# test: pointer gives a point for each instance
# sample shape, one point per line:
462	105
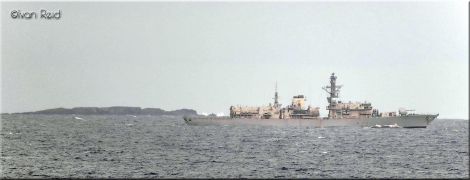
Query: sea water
76	146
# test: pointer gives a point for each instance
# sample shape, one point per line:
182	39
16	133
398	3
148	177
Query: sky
208	56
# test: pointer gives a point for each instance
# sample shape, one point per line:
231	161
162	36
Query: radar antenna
333	89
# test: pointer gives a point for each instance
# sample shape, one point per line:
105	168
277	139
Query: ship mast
333	91
276	97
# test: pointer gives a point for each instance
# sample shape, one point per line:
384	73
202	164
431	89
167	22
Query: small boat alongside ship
296	114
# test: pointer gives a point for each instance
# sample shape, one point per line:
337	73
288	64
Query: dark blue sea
62	146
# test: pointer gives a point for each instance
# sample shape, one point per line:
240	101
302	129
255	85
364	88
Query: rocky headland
115	110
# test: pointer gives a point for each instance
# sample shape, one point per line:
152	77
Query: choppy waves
49	146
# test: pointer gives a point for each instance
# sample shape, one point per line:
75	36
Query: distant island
114	110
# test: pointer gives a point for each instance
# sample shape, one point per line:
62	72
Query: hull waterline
409	121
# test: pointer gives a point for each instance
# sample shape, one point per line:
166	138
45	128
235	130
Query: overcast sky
208	56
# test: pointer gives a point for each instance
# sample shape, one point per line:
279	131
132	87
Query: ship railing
422	113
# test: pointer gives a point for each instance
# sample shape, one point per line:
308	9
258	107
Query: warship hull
408	121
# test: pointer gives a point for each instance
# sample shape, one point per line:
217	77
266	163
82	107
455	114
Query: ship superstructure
275	111
337	109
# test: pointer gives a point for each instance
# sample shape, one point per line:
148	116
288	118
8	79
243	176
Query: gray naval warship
339	114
